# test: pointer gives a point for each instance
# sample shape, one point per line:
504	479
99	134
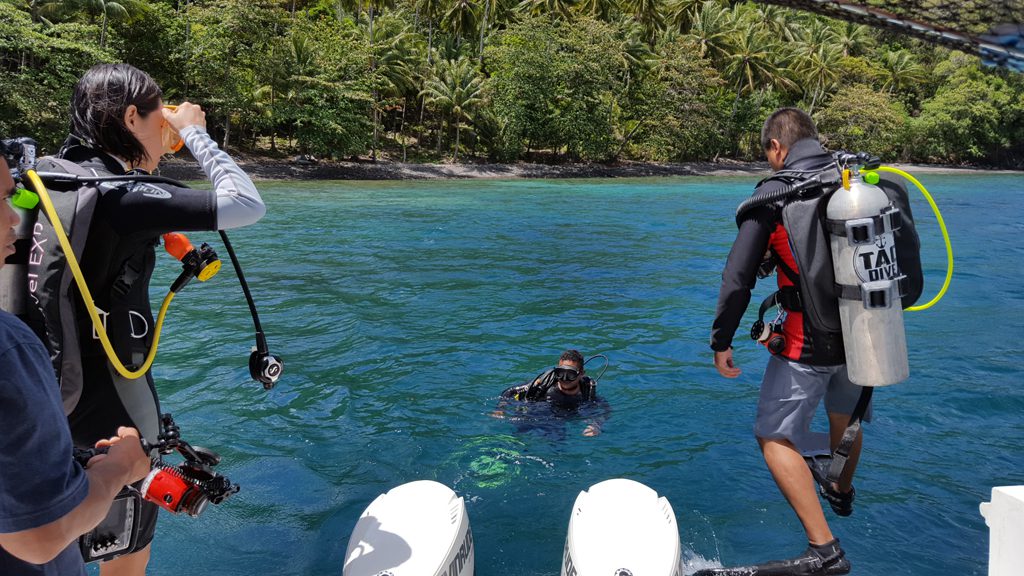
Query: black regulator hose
65	178
263	366
828	177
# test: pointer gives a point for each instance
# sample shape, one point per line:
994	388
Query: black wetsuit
543	388
117	263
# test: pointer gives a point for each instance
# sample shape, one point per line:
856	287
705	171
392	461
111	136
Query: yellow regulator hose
97	323
945	237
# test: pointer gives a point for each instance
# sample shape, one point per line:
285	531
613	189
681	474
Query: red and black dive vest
794	233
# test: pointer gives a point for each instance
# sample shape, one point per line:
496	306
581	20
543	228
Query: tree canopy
509	80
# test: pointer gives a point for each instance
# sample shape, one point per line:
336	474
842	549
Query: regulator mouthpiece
201	263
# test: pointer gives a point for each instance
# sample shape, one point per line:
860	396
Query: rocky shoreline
285	169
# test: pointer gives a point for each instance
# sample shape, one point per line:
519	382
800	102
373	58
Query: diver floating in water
564	390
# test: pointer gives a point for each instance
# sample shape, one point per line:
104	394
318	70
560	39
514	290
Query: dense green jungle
514	80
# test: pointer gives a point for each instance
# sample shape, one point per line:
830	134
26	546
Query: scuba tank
13	286
862	222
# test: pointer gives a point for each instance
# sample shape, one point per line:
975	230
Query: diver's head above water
569	372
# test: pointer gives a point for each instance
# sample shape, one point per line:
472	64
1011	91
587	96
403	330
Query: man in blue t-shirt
46	499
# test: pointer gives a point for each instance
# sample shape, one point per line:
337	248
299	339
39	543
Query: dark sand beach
287	169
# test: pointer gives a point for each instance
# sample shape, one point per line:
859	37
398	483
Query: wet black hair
99	102
788	126
572	356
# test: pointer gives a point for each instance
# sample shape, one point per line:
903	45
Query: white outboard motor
417	529
621	528
861	222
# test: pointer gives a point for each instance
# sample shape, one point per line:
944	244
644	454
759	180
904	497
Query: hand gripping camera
188	488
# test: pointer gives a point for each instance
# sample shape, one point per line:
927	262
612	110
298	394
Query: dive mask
566	374
172	141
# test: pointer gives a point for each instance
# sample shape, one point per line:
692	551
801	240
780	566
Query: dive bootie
824	560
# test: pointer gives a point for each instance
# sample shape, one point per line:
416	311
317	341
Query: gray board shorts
790	394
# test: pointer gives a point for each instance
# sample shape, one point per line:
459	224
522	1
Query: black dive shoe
825	560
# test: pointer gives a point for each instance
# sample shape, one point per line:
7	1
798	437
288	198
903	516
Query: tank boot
818	560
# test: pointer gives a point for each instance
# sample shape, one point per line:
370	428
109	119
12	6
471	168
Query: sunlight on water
402	309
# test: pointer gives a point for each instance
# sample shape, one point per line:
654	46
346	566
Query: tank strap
588	388
864	230
793	276
874	295
842	452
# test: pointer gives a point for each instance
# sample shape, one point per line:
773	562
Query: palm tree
397	56
752	62
44	10
648	14
106	9
560	8
373	7
103	9
853	38
460	18
430	9
901	71
782	23
455	88
494	11
287	74
818	71
815	32
679	13
710	29
634	54
600	9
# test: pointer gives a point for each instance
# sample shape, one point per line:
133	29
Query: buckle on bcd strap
860	231
879	294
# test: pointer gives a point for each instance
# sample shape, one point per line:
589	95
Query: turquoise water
403	309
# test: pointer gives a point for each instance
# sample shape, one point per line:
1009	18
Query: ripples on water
402	309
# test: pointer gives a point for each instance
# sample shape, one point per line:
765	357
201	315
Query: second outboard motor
621	527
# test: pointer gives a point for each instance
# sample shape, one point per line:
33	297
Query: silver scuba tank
861	222
14	273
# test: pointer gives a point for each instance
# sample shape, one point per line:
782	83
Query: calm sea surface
403	309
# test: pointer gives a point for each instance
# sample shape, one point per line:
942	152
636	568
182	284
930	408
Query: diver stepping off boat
847	254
